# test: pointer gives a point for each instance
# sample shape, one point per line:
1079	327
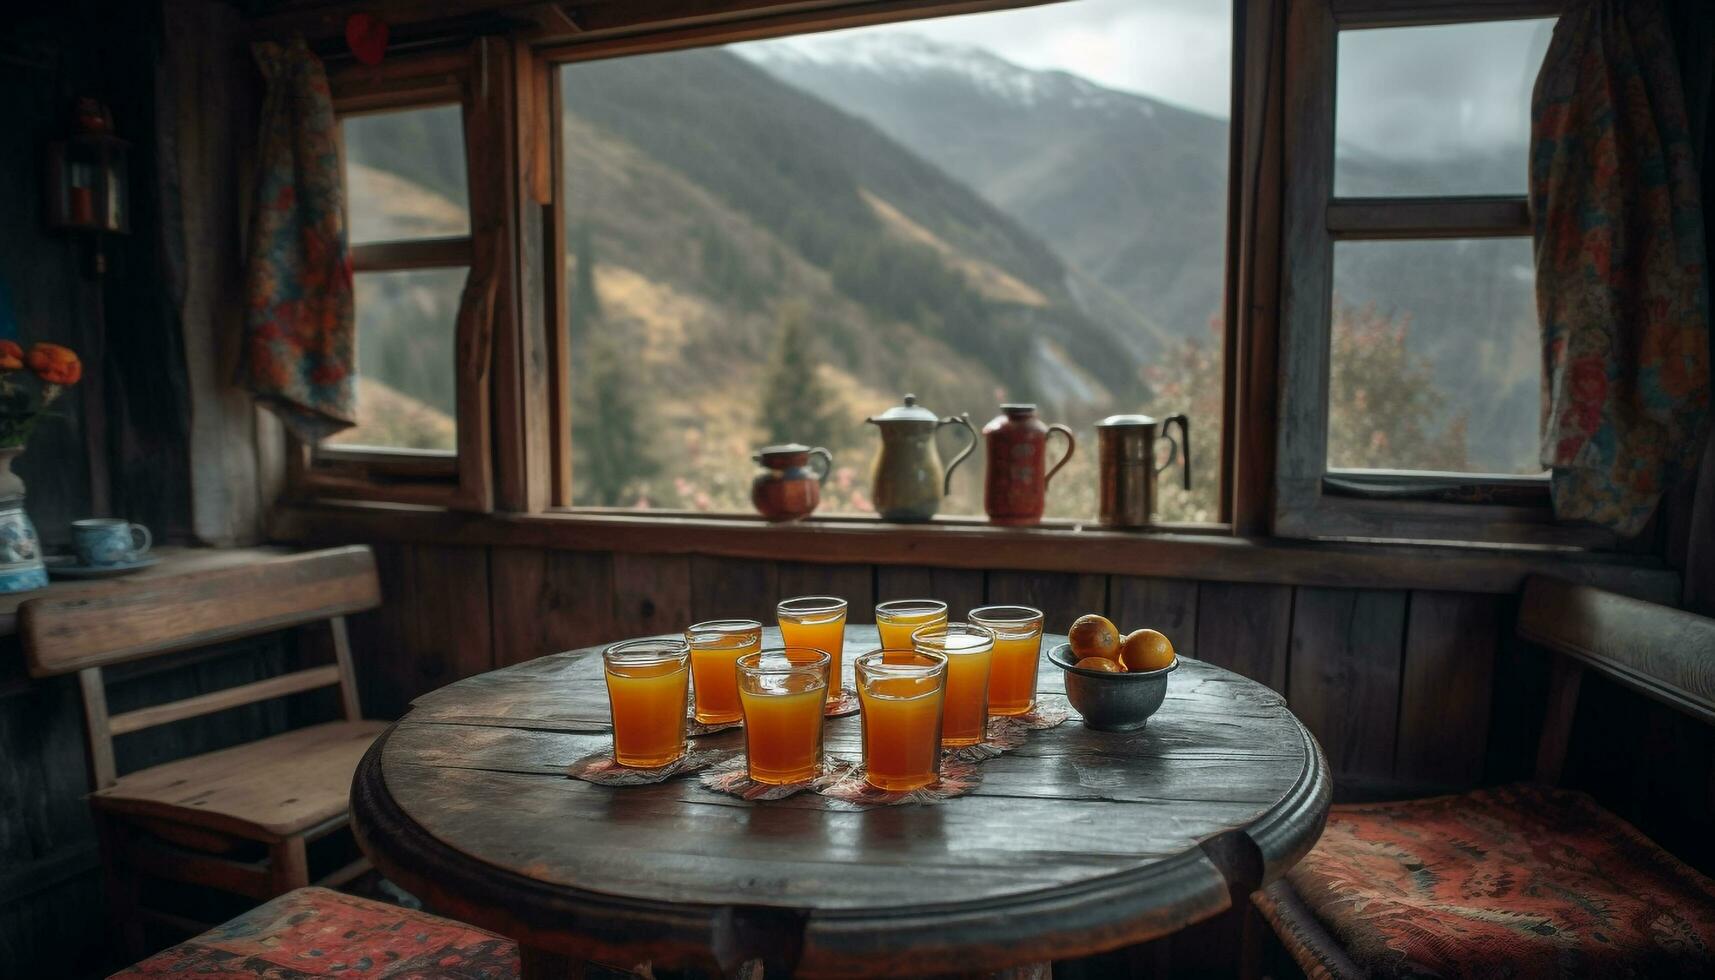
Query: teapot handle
827	464
970	447
1071	446
1181	449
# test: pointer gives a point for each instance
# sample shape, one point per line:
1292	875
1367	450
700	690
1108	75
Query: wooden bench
1522	880
313	932
193	819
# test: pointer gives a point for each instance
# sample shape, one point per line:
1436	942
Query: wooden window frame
595	36
463	478
1313	500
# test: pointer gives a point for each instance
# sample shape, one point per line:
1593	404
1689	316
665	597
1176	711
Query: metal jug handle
1071	446
970	447
827	463
1181	448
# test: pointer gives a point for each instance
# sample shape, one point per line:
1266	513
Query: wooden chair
1522	880
236	819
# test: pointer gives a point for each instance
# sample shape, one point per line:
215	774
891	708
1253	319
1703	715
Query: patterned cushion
1519	881
313	932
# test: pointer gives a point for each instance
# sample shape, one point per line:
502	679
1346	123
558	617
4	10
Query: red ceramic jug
789	488
1016	485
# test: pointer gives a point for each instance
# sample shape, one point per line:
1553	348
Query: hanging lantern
88	181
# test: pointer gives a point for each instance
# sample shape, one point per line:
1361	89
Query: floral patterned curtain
300	346
1621	270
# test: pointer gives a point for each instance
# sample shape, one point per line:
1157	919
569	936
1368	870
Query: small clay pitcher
1015	487
788	488
907	479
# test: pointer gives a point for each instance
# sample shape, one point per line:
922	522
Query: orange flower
11	355
55	365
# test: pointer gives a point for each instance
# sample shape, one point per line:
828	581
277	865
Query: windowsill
1185	553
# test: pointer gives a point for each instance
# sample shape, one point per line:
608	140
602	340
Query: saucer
66	566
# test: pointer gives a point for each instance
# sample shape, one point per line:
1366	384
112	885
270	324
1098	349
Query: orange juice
816	623
783	731
970	651
715	649
1017	650
897	620
901	714
648	702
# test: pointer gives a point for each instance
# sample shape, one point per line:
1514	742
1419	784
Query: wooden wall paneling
1344	678
651	594
175	677
733	588
1245	628
433	626
1061	597
960	588
1165	604
1519	700
549	601
43	775
853	583
1446	688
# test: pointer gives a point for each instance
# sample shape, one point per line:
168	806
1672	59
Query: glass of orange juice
969	650
715	647
647	686
782	692
899	618
1017	651
816	622
900	695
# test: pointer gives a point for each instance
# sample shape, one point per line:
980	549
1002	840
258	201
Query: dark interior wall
120	448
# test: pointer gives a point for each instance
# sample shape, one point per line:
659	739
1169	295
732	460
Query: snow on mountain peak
898	53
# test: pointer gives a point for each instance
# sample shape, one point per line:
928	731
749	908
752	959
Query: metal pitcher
1126	448
907	480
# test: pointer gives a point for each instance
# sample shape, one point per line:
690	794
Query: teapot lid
908	412
1115	421
781	450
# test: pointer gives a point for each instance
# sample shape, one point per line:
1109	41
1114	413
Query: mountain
1129	190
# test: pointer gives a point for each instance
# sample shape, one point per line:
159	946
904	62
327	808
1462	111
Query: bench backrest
85	633
1664	653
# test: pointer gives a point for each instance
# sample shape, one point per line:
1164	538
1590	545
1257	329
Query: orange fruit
1146	650
1094	636
1101	663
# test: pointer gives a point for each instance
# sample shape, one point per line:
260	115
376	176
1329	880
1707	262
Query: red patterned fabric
1519	881
313	932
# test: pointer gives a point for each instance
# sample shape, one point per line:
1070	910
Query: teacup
108	541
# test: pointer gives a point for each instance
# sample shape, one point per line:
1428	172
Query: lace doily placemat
603	771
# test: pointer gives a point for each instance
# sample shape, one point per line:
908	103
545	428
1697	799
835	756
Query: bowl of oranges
1115	680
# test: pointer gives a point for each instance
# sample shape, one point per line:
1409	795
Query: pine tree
608	438
796	405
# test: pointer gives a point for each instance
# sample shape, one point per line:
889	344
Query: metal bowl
1112	702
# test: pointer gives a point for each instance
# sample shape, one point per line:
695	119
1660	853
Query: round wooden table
1074	843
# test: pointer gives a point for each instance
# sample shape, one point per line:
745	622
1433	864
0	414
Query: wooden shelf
965	544
174	561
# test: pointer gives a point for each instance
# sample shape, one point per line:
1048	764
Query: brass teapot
907	479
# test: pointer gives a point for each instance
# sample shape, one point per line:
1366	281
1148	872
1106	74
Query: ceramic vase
21	567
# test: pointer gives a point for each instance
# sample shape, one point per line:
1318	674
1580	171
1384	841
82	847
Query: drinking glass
900	695
647	684
1017	651
715	647
969	650
816	622
782	691
899	618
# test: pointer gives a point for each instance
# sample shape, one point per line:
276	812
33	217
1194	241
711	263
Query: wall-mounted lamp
88	179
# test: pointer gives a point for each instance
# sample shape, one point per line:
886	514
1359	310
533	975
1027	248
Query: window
408	205
770	241
426	293
1412	381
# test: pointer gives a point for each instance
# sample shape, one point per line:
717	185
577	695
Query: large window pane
406	394
405	175
1436	361
1436	110
771	241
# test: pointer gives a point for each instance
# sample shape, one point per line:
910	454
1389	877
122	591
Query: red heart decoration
366	35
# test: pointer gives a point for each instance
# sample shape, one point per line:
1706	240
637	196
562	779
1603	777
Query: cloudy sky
1407	92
